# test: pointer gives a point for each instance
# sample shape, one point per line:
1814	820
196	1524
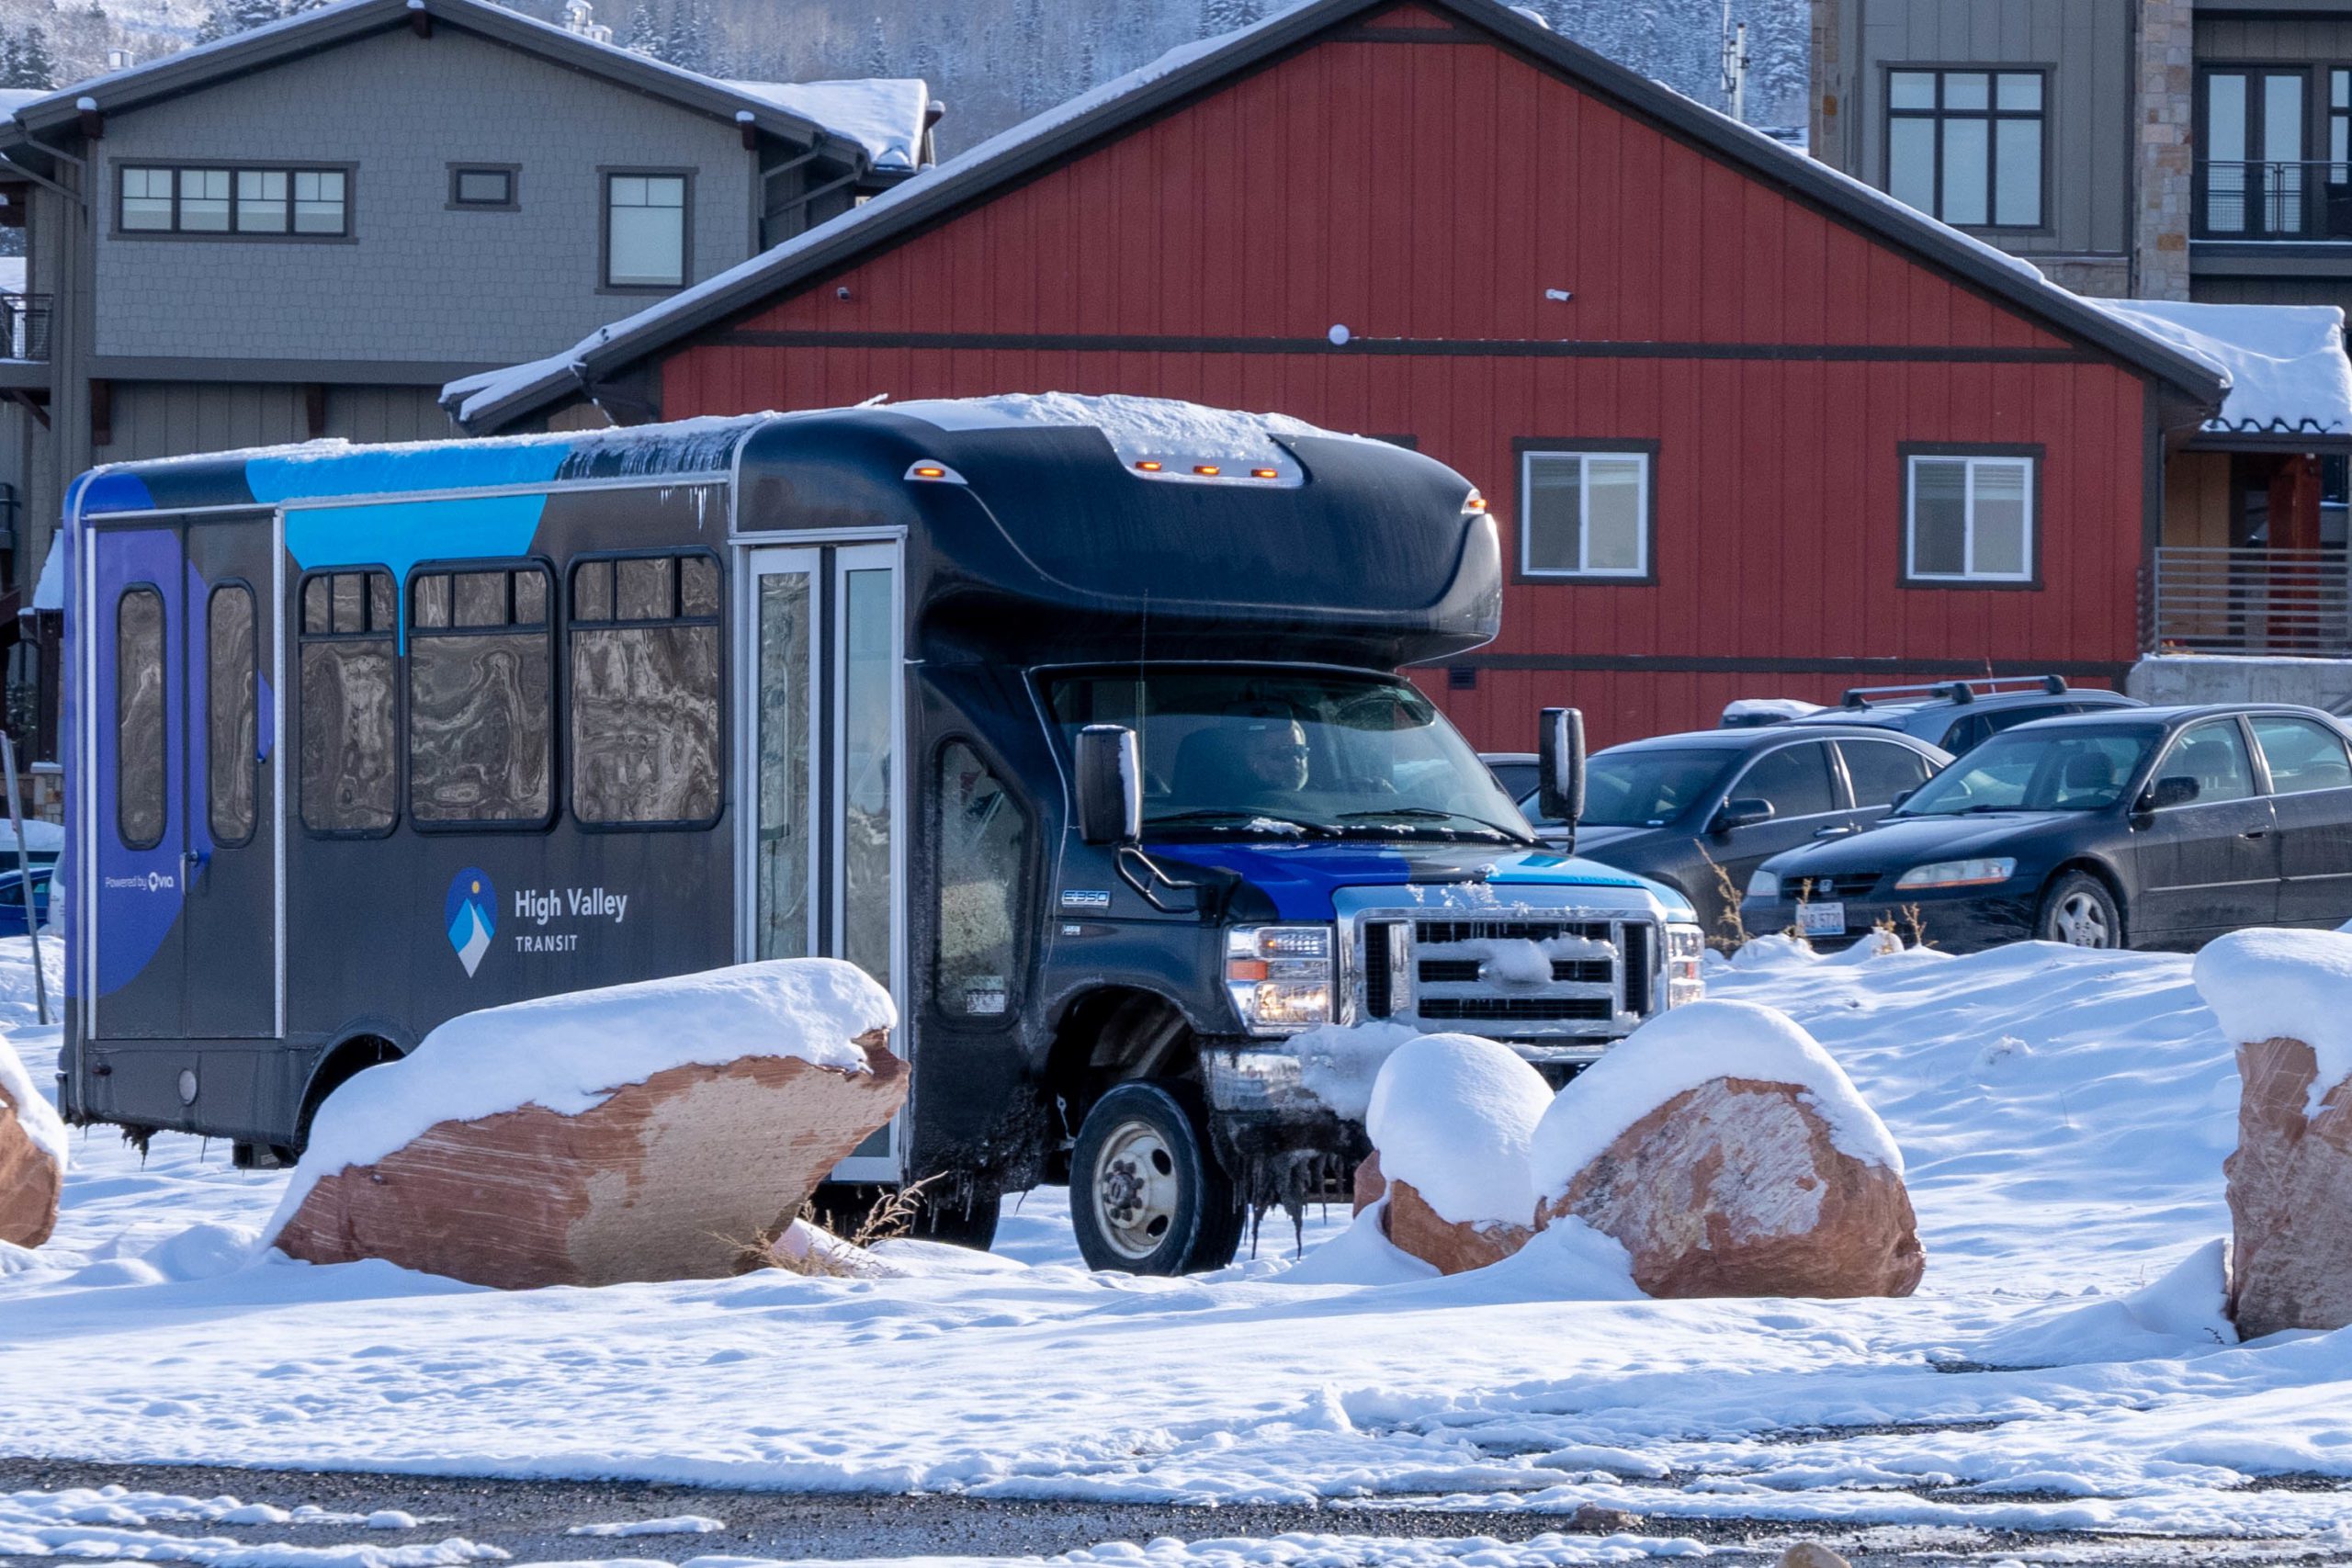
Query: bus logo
470	916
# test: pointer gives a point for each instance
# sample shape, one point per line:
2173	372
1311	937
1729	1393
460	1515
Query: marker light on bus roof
1207	471
1149	465
1265	473
1476	502
934	473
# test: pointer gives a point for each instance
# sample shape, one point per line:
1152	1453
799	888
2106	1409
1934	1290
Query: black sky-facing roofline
1876	215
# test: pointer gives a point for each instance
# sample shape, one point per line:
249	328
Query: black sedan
2141	828
1700	811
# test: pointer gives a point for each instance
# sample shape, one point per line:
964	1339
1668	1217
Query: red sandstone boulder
2290	1193
1730	1156
1449	1118
32	1156
1369	1183
1450	1246
684	1176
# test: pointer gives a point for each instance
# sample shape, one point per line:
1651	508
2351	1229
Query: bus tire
1147	1194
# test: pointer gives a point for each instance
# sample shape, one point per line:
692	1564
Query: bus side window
231	741
139	718
481	698
349	731
983	842
644	656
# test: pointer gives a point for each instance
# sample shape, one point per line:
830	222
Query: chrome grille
1534	979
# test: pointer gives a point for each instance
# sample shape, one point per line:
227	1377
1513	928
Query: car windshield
1648	787
1279	754
2024	770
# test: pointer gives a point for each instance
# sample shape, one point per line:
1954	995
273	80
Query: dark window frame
2262	773
557	707
1016	979
723	709
605	174
2317	123
302	636
2034	452
1841	794
1992	115
163	747
513	173
1845	775
348	234
1524	447
254	597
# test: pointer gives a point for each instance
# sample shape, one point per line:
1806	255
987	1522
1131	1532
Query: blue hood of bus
1300	877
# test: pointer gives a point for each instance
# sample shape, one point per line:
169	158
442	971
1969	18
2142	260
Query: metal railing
2203	599
2274	200
24	326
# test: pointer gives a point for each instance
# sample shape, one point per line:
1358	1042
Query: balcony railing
24	326
2274	201
2216	600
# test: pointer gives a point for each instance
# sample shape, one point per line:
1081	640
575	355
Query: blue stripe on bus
404	470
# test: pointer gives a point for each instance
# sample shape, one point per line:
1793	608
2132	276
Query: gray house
305	229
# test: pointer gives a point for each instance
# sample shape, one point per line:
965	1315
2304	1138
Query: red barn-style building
1749	427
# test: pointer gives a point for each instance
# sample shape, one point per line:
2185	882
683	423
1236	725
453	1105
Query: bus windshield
1284	753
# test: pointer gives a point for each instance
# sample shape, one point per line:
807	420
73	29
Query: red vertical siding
1427	196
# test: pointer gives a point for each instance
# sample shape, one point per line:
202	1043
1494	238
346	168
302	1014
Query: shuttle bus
1075	723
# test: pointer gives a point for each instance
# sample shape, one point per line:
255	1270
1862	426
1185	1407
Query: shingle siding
417	281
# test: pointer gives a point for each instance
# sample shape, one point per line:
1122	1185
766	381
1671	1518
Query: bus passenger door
825	784
230	916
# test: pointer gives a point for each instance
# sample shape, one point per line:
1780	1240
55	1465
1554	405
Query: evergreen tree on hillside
27	61
640	33
877	50
228	18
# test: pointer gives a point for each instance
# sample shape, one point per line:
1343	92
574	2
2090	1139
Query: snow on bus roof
1159	427
2287	372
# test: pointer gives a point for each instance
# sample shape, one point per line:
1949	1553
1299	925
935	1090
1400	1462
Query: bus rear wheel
1147	1194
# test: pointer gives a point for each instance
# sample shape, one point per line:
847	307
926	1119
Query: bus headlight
1685	947
1279	976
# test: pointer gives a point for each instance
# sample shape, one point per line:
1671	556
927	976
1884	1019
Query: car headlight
1686	947
1764	884
1279	976
1959	873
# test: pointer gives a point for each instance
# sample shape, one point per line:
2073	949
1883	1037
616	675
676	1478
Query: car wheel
1147	1195
2079	911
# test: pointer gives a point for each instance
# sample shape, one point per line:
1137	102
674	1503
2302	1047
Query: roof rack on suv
1952	691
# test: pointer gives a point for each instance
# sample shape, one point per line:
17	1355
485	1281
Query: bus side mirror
1559	750
1109	786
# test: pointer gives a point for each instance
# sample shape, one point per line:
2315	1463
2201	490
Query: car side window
1795	779
2304	755
2215	755
1966	735
1879	770
2025	712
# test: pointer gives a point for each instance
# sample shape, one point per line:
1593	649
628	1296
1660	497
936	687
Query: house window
645	230
2252	141
645	711
1965	146
484	188
264	203
1584	513
350	730
480	697
1969	518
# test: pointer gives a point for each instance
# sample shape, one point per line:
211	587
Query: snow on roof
2287	372
882	114
14	98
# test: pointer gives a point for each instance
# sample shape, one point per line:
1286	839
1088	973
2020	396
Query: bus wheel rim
1136	1189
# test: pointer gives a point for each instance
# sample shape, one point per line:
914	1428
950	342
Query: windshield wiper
1977	810
1228	817
1432	814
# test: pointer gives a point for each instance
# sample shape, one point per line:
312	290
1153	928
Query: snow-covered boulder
1727	1153
2285	998
32	1155
1450	1120
664	1130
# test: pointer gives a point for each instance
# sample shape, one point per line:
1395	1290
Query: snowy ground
2063	1116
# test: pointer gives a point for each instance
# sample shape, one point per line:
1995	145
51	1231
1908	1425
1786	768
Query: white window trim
1968	572
1639	571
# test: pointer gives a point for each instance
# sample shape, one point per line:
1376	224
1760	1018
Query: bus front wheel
1147	1194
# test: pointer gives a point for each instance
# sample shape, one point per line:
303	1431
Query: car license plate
1822	920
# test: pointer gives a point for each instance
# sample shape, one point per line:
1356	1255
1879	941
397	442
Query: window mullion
1968	518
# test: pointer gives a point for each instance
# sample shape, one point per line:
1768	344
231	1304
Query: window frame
233	167
1841	794
557	708
1526	449
2318	121
2256	774
605	174
302	638
1845	775
2262	774
1992	115
513	174
1016	981
723	716
1907	455
254	597
163	699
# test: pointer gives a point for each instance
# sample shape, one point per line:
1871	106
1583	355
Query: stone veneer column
2163	80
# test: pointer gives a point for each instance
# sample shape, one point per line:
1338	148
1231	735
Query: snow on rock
32	1155
2181	1313
1730	1156
660	1129
2283	984
1450	1120
2286	366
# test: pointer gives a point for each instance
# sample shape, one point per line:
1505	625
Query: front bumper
1960	920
